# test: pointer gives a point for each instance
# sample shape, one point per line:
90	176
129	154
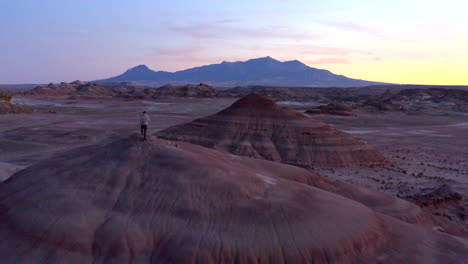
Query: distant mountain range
261	71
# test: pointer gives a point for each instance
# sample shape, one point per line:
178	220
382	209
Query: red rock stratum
255	126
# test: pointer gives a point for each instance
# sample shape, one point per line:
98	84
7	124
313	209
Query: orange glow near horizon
405	72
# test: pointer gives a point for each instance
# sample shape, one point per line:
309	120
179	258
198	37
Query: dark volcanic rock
257	127
158	202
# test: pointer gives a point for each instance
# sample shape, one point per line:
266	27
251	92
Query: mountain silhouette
261	71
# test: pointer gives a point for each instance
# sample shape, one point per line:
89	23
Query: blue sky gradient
394	41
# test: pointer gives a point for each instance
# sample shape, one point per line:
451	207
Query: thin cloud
301	50
350	26
227	29
325	50
177	51
191	54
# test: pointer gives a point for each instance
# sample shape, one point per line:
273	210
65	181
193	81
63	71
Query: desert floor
427	150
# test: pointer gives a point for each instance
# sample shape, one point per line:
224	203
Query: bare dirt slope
255	126
163	202
428	149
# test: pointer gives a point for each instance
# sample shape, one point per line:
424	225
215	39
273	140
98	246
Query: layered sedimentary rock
166	202
447	208
257	127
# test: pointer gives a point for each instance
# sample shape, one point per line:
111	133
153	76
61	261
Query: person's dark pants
143	131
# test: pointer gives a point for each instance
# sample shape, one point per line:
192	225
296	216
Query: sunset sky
398	41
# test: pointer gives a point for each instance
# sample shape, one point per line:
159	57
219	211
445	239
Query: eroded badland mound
167	202
412	101
276	93
257	127
8	107
189	90
75	88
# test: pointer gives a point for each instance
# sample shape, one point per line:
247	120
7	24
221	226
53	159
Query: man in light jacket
144	121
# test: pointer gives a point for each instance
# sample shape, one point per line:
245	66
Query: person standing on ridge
144	121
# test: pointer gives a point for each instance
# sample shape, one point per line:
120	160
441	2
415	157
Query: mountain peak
266	59
294	62
139	68
254	100
259	71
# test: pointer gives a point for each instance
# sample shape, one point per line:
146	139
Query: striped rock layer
257	127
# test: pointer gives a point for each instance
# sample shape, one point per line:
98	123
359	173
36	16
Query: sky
397	41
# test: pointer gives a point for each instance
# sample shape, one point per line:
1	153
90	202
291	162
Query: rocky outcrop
447	208
165	202
8	107
92	90
392	99
416	100
189	90
79	89
341	109
434	98
438	197
382	105
276	93
75	89
51	89
258	127
435	95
